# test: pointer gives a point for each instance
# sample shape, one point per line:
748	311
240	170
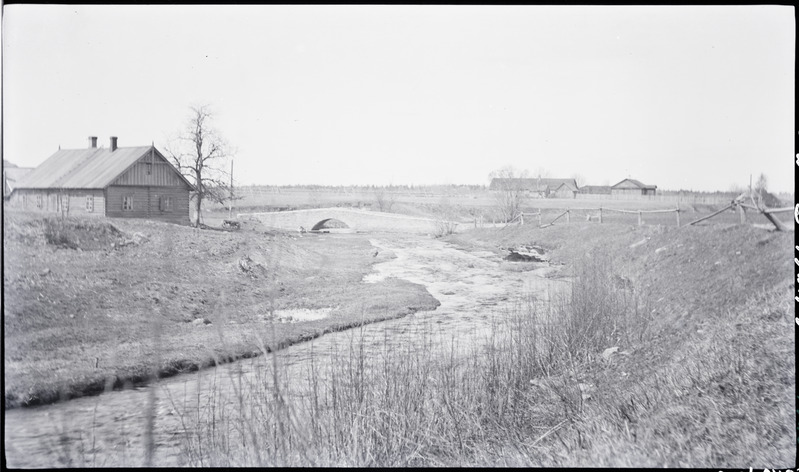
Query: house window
89	203
148	166
39	201
166	203
127	203
65	203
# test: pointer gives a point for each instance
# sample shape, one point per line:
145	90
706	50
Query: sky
694	98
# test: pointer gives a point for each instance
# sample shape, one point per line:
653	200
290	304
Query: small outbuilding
119	182
632	187
565	190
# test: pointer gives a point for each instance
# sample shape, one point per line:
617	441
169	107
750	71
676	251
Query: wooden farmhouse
633	188
118	182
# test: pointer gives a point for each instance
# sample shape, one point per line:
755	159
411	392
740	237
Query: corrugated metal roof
83	168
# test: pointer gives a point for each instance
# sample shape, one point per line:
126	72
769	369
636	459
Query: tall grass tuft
423	402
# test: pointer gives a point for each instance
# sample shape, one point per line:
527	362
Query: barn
118	182
632	187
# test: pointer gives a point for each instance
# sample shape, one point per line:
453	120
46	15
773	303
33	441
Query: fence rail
768	213
600	211
686	198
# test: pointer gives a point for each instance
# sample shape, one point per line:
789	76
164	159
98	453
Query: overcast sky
680	97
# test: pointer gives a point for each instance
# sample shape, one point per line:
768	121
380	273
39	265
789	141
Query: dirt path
108	430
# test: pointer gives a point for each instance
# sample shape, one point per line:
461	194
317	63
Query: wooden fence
599	212
687	198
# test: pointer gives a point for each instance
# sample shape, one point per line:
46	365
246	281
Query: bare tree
509	191
579	179
202	155
761	188
384	199
542	172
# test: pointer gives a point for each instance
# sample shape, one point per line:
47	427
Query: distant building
535	187
595	189
12	174
565	190
120	182
632	187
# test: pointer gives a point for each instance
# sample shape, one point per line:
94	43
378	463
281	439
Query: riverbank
98	304
713	384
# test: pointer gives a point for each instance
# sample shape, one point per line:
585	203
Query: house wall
625	191
147	203
149	180
71	201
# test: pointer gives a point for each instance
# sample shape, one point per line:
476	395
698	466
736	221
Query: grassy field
470	205
91	304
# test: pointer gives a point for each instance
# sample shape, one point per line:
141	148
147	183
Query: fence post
568	216
600	214
639	218
521	218
677	211
742	213
539	217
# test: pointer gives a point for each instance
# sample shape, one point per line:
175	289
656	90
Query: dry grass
426	405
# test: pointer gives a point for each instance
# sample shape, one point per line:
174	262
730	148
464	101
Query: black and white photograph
399	236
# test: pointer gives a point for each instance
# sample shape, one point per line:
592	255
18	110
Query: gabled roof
636	183
567	185
90	168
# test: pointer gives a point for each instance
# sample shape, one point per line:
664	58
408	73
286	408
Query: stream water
108	429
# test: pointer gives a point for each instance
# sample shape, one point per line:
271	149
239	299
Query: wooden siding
147	203
53	201
151	171
626	191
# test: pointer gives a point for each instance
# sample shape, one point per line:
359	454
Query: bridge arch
330	223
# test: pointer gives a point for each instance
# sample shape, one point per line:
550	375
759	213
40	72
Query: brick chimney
92	142
113	143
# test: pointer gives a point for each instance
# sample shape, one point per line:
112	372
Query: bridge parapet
358	220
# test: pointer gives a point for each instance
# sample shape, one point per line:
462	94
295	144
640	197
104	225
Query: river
473	287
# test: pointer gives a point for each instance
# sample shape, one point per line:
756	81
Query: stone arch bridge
356	220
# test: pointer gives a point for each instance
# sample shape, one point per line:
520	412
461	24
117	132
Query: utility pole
230	201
